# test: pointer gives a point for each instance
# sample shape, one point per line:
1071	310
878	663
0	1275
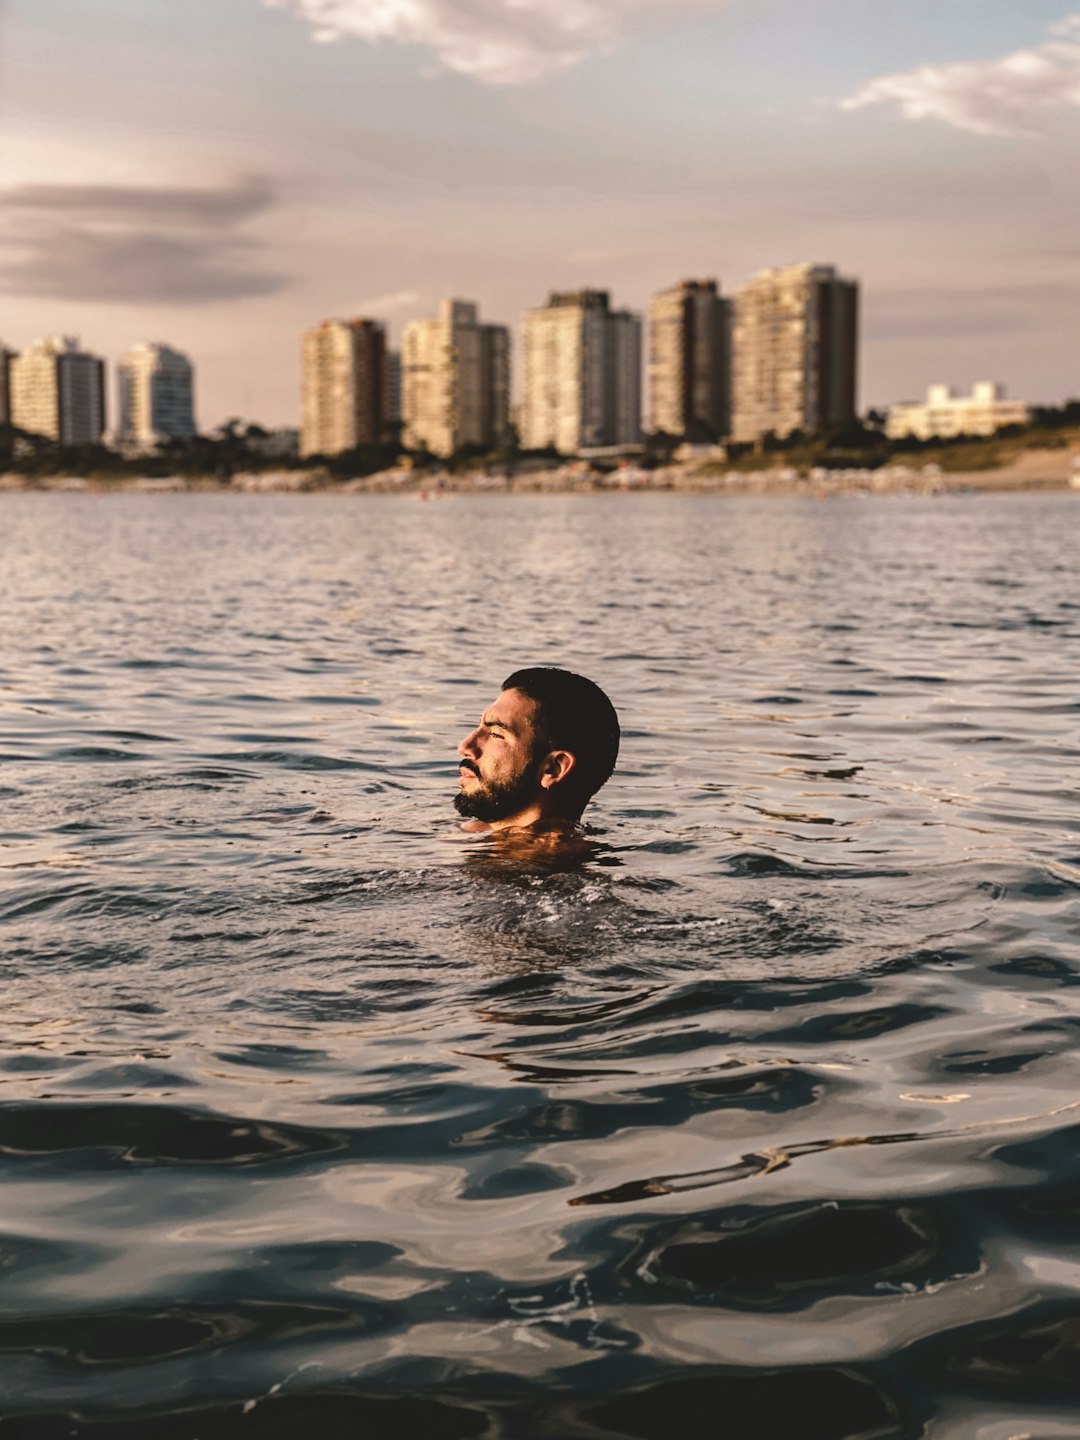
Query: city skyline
212	174
780	356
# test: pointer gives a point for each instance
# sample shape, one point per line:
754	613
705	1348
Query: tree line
236	447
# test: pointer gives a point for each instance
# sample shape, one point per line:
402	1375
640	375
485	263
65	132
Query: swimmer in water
539	754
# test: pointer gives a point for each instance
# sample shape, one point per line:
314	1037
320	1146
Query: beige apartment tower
582	374
690	362
795	348
157	397
58	391
455	382
343	385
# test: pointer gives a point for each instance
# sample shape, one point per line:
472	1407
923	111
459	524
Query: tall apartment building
157	397
343	386
690	361
795	344
6	357
393	387
582	374
58	391
455	381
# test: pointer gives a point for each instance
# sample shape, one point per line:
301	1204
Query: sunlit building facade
157	397
946	415
455	382
582	374
58	391
795	352
343	386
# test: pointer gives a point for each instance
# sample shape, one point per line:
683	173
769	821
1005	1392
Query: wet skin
500	754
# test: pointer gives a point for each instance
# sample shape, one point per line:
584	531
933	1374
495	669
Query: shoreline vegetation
1037	470
1042	457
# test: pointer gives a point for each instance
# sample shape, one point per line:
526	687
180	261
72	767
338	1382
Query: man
539	754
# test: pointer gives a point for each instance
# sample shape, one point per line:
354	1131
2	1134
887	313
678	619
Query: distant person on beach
541	751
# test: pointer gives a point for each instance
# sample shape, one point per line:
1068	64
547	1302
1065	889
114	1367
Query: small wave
293	760
139	1336
146	1134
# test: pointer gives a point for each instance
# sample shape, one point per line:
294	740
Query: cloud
179	205
380	304
74	264
502	42
128	244
1008	96
973	314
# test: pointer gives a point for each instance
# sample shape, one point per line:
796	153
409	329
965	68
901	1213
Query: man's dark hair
572	713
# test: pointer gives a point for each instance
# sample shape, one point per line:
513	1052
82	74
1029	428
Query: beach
1035	470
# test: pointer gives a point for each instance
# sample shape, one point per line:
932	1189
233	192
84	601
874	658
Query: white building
58	391
946	415
582	374
795	352
455	381
343	386
157	397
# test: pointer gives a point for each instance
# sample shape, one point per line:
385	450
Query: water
762	1121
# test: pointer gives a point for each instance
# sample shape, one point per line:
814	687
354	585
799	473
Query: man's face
499	769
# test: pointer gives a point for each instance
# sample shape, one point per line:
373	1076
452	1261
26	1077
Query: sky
222	174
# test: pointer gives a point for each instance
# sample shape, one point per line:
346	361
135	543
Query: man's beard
495	799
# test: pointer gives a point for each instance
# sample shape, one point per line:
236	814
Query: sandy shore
1033	470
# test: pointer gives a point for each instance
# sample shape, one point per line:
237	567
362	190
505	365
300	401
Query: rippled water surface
317	1119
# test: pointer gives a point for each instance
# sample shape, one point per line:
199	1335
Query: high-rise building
690	361
343	386
455	381
157	397
393	387
58	391
582	380
6	357
795	344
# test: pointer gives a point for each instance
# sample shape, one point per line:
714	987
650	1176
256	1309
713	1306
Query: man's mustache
469	765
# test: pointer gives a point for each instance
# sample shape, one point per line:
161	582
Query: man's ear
556	768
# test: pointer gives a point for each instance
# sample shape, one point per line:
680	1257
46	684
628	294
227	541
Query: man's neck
536	818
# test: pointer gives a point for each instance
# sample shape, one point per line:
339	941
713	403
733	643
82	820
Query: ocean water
760	1119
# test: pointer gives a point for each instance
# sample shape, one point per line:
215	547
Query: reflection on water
754	1111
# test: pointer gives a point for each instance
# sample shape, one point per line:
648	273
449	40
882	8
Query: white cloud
1007	96
503	42
380	304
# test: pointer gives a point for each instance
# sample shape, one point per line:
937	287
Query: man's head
541	750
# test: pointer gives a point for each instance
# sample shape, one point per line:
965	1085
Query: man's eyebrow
497	725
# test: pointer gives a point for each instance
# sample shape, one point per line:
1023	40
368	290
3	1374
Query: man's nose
468	746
